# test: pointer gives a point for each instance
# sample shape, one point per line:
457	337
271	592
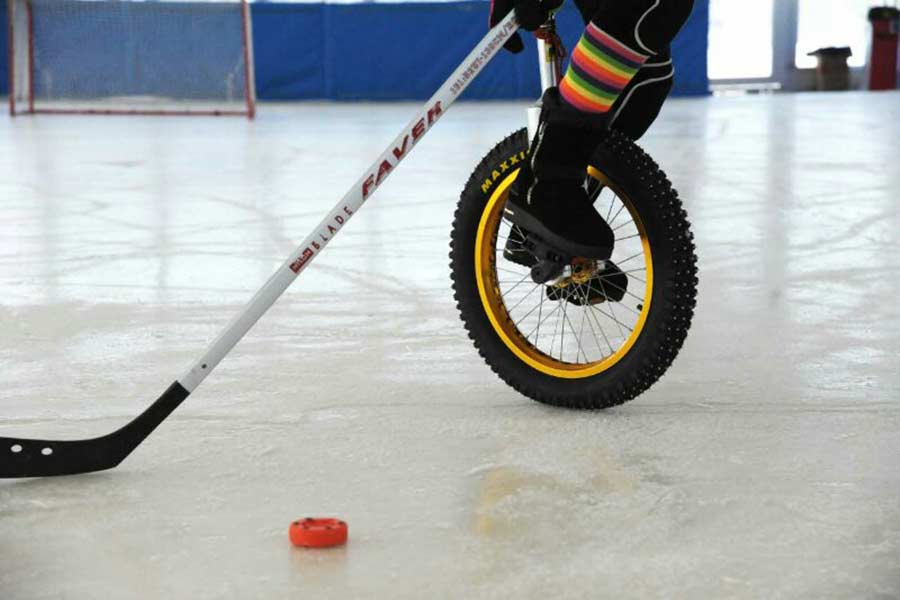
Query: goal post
166	57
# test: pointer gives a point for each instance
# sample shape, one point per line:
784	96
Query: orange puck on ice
318	533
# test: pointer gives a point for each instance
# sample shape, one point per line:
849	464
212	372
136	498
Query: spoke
607	279
594	307
537	338
520	250
612	310
609	212
511	272
607	276
563	303
581	335
505	236
562	323
507	281
521	281
553	339
531	291
622	262
628	237
584	313
562	339
618	227
621	208
587	306
541	322
628	308
577	338
619	287
538	307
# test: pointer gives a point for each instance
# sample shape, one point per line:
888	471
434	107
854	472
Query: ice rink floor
765	464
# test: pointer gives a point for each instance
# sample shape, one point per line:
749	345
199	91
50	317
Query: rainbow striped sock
600	68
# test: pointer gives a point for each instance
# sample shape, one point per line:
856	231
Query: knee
645	25
661	22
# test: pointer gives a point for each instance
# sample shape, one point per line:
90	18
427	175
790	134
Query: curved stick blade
44	458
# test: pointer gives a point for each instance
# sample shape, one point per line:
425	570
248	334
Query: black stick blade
44	458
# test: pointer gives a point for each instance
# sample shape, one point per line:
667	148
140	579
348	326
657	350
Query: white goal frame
22	101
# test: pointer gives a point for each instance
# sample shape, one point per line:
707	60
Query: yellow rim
495	308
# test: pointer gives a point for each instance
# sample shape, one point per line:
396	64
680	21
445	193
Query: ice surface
765	464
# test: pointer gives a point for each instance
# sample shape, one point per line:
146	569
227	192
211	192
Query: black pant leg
647	26
640	103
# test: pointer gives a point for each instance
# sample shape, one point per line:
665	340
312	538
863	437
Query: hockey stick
40	458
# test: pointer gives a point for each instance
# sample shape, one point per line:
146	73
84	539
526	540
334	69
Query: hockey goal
130	57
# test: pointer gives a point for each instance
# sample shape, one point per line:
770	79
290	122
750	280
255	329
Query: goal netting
130	56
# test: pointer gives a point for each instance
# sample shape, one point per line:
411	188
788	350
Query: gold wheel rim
489	290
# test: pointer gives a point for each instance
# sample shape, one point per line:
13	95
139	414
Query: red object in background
318	533
885	42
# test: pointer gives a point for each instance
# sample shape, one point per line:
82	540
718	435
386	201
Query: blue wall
689	52
3	62
405	50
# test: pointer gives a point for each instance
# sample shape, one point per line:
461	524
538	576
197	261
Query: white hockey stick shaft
352	201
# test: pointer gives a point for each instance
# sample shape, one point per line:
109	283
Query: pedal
597	283
545	271
549	262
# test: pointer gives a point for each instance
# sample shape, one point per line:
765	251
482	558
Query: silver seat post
547	63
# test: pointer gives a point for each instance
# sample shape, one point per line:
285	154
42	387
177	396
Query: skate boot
548	205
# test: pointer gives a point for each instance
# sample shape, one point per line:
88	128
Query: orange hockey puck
318	533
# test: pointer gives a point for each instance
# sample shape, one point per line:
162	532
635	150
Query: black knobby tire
673	264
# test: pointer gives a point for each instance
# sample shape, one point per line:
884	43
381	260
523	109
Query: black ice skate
548	201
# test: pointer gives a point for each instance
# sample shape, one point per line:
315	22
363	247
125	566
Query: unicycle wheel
594	334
